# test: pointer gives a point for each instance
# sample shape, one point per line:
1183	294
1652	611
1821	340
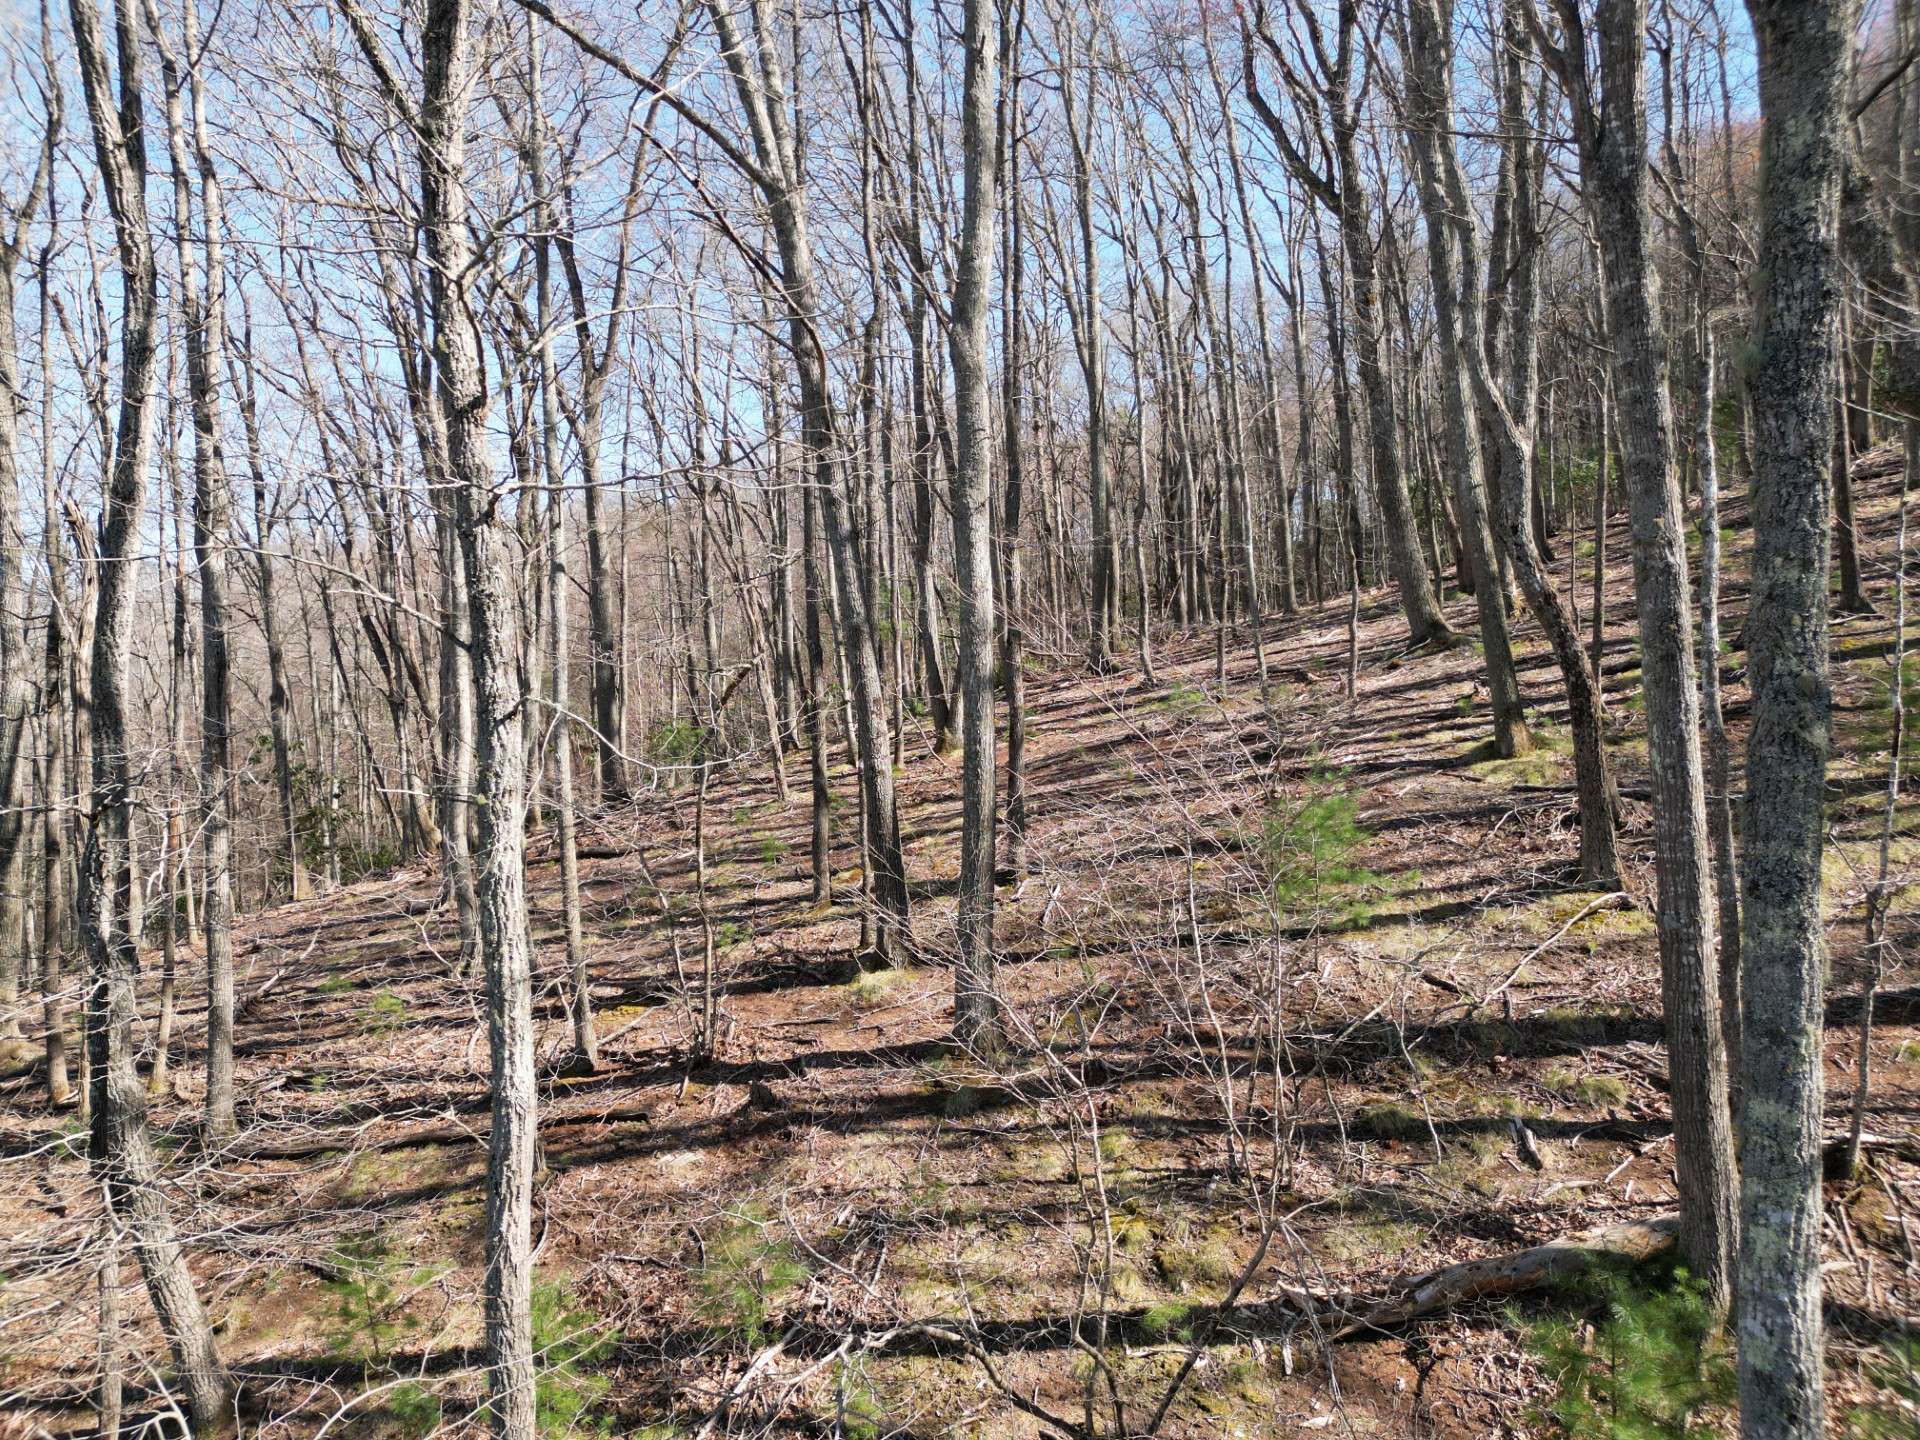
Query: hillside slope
836	1221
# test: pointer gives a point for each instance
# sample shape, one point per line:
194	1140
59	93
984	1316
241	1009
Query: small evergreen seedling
369	1316
746	1270
415	1409
1308	850
386	1012
567	1339
1643	1363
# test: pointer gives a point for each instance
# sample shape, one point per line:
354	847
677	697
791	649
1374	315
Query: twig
1605	902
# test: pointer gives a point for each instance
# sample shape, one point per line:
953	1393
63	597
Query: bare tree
1427	52
1614	170
499	688
17	700
121	1148
203	284
975	1006
1803	50
1322	85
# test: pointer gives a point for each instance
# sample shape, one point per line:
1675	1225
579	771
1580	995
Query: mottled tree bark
499	690
1610	123
976	1007
1803	53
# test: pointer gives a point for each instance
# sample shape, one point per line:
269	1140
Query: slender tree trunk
1803	65
203	312
976	1007
586	1048
121	1147
1615	174
760	86
279	706
1080	102
1853	437
16	692
499	688
1344	192
1012	378
1713	711
1598	804
1429	106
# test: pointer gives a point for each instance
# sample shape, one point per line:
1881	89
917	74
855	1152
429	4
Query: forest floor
838	1226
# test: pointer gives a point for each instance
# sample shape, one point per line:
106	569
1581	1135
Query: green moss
872	987
1181	699
1132	1233
385	1013
1547	763
1169	1319
1354	1242
1598	1091
1390	1120
1206	1259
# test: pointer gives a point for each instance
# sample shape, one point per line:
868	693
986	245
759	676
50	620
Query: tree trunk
1803	67
976	1007
121	1149
760	86
203	315
1429	107
1013	658
1597	802
586	1049
499	688
1614	171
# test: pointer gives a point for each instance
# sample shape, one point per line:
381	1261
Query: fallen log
1512	1273
326	1142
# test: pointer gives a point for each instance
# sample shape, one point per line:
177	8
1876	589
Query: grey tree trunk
1719	776
1610	125
500	693
760	85
57	914
586	1049
1012	379
16	691
279	701
1343	192
1598	805
1429	111
1706	463
976	1007
121	1148
1803	65
1092	350
203	314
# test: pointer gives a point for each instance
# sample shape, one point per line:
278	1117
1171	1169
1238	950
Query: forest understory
836	1224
